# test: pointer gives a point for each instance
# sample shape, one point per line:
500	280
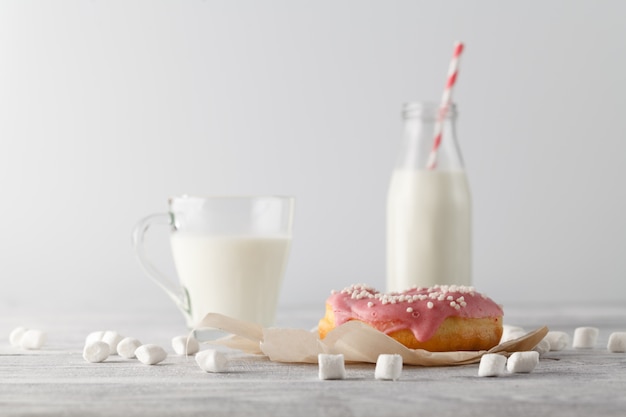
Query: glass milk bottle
428	207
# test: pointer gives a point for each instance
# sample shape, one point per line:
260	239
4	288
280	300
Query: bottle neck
420	123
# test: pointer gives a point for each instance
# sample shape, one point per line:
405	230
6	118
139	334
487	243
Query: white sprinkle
370	304
184	345
409	310
33	339
585	337
617	342
331	366
430	304
453	304
150	354
112	338
127	346
96	351
522	362
558	340
450	298
388	367
94	336
491	364
16	336
211	360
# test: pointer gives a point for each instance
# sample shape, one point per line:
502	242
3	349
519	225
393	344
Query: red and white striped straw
446	100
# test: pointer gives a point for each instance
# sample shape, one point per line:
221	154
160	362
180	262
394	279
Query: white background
109	107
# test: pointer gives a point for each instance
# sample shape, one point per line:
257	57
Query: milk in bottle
428	208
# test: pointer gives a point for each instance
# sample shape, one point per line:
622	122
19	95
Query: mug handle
177	292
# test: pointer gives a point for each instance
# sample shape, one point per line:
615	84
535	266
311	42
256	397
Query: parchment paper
357	341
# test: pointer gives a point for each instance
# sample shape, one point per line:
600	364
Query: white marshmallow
331	366
522	362
585	337
16	336
388	367
127	346
184	345
542	347
94	336
511	332
491	364
557	340
150	354
212	360
33	339
617	342
96	351
113	339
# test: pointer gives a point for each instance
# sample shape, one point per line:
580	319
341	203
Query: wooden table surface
57	381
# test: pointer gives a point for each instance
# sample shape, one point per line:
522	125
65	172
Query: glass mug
230	254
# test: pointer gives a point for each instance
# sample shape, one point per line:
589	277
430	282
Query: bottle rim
426	110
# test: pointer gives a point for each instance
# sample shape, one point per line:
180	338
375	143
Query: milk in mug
428	229
238	276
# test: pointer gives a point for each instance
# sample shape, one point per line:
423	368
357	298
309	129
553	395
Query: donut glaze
420	311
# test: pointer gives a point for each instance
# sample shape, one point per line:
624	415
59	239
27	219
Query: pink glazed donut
442	318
